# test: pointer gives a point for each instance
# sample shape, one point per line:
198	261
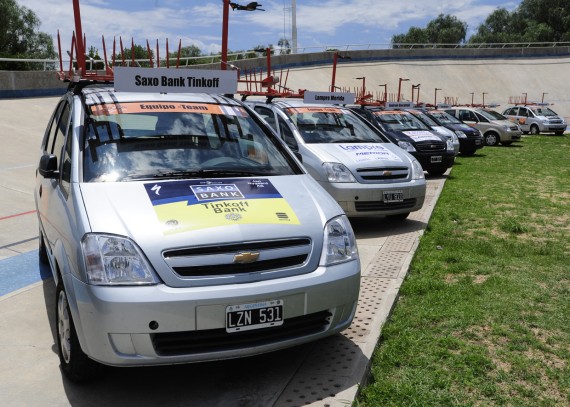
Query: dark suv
470	139
434	152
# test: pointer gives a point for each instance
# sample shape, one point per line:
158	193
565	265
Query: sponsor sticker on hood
199	204
421	135
368	152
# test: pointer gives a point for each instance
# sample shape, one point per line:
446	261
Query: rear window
151	140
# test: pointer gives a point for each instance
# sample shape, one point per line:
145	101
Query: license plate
393	196
245	317
436	158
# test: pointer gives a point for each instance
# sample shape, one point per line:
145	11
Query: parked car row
183	227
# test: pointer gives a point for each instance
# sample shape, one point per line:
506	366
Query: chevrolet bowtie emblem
387	173
246	257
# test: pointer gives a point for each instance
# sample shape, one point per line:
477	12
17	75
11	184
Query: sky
321	24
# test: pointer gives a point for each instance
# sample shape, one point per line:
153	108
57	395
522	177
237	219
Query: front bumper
128	326
511	135
359	200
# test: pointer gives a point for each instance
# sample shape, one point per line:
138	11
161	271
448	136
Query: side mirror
48	166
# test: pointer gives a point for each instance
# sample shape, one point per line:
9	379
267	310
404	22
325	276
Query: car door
53	192
522	118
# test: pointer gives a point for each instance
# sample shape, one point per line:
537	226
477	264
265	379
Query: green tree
415	36
20	38
141	56
531	21
445	29
285	46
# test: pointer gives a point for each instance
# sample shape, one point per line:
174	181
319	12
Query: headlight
337	172
449	145
339	243
114	260
406	146
460	134
417	170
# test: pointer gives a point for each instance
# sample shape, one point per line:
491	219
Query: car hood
173	213
355	155
462	127
415	136
507	123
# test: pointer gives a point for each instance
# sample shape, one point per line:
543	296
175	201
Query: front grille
383	173
220	260
384	206
223	269
217	340
431	146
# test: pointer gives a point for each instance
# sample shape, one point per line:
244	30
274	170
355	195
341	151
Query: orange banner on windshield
316	109
108	109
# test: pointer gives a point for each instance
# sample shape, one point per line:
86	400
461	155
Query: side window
267	115
467	115
287	135
52	129
480	118
525	112
66	161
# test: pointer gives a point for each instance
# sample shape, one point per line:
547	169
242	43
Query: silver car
495	127
366	173
179	228
536	119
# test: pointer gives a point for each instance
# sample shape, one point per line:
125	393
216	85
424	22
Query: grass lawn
483	317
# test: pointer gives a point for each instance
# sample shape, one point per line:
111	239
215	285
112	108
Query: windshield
444	117
170	140
543	111
332	125
491	115
428	121
399	121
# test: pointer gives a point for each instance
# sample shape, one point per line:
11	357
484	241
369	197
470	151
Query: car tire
43	254
534	130
492	139
559	133
506	143
468	153
75	364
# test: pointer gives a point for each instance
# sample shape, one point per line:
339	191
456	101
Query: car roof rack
80	77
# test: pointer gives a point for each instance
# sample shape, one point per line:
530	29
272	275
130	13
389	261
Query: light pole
225	23
525	97
484	93
472	96
435	96
418	96
543	93
385	92
400	86
363	85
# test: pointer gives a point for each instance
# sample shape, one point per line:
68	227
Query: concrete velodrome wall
500	73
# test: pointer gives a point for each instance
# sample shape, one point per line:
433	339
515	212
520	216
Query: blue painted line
20	271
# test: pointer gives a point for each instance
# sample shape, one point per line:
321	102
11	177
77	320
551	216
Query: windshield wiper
209	173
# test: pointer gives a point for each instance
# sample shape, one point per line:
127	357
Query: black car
434	152
470	139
